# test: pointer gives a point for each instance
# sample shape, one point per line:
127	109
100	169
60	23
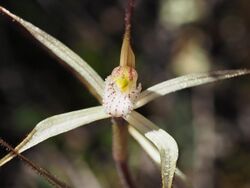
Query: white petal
153	153
90	78
185	81
56	125
164	142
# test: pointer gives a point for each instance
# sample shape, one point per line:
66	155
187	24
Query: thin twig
40	171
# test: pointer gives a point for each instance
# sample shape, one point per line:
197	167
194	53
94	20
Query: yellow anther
124	78
122	83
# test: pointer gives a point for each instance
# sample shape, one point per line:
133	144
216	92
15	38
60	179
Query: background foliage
170	38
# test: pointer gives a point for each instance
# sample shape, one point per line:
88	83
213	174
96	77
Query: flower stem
128	16
120	148
127	57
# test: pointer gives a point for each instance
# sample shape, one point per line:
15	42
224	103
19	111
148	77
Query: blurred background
211	123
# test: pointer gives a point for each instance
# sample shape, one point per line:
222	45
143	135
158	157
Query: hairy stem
127	57
40	171
120	148
128	16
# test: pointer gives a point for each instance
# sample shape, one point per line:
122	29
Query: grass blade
165	144
56	125
90	78
186	81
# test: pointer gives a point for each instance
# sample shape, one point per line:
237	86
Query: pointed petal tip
186	81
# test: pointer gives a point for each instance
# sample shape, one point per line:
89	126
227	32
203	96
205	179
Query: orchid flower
119	96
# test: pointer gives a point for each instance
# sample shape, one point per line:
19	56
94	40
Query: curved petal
148	147
90	78
56	125
165	144
151	150
186	81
